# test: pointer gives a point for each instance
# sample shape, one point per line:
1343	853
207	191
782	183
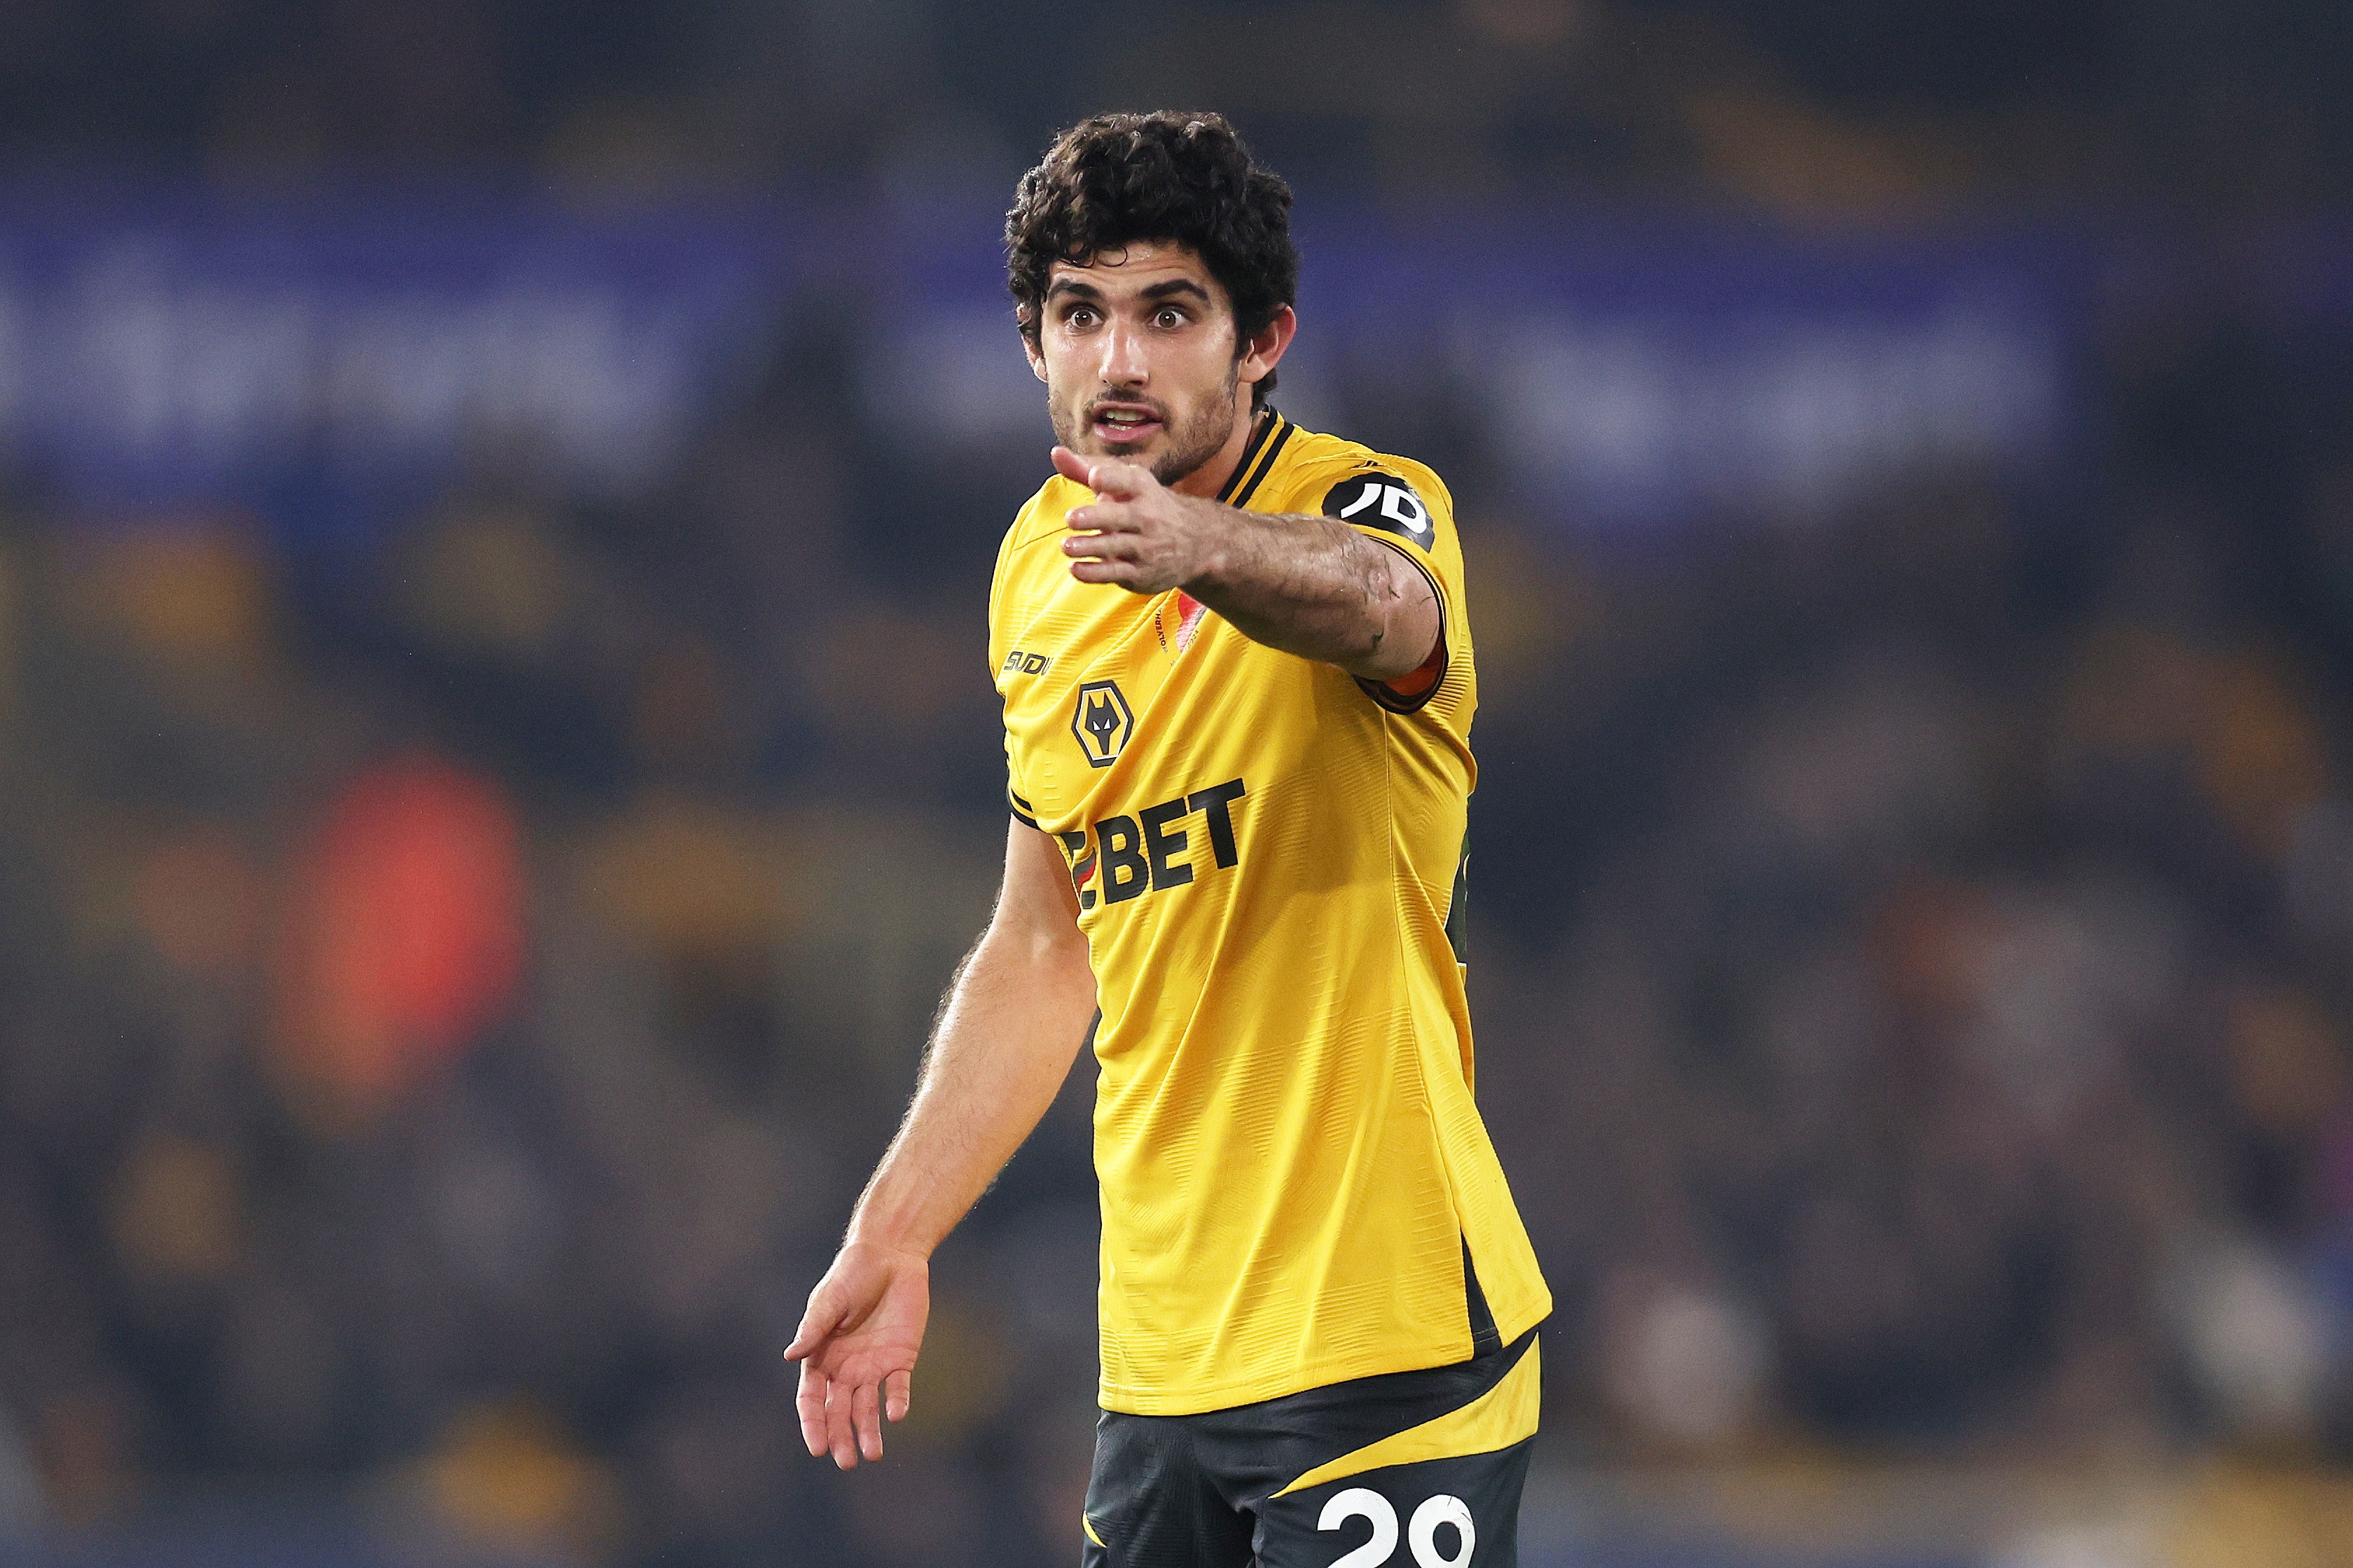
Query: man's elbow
1397	644
1046	949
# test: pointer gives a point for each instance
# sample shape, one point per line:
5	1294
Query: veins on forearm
1302	583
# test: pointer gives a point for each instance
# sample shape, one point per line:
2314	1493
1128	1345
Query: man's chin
1166	465
1146	452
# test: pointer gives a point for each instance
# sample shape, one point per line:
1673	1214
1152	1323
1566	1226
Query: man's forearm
1319	589
1014	1021
1305	584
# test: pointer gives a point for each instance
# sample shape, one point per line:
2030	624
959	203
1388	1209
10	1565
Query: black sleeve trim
1021	808
1379	692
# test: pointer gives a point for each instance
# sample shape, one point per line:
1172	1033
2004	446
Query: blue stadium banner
1631	379
169	347
1639	376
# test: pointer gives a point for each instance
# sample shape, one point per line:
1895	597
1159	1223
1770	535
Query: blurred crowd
451	1012
450	1015
452	994
1956	1052
1811	103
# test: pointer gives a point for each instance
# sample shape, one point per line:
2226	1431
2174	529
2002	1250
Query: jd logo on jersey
1103	721
1382	501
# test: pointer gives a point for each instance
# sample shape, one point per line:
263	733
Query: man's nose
1125	362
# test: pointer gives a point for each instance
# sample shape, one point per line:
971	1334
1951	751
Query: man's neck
1209	480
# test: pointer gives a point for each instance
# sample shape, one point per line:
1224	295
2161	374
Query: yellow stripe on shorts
1498	1418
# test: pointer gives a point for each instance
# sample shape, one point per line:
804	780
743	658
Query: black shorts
1421	1467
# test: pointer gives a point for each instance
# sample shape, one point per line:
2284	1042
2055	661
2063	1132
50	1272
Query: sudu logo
1102	721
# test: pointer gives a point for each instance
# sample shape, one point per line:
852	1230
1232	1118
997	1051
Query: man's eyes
1168	318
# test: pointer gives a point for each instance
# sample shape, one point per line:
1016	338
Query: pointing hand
1137	533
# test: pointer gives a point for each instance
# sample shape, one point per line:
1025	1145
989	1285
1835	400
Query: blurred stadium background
496	764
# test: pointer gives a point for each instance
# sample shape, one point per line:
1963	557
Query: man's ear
1262	351
1037	360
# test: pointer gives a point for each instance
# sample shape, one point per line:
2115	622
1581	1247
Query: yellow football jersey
1297	1188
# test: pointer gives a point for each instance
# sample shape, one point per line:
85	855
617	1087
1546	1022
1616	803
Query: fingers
1108	558
1105	517
866	1419
810	1403
1124	573
898	1393
1103	546
845	1420
1104	476
840	1438
820	1320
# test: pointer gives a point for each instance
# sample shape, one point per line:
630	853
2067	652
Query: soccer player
1238	680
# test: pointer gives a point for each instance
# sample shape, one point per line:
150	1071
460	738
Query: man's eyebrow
1177	286
1163	291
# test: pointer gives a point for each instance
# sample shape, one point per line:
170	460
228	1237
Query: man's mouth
1125	425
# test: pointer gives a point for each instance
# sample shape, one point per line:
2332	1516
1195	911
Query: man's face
1138	354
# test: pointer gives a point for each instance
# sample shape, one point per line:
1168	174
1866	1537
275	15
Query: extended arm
1013	1019
1307	585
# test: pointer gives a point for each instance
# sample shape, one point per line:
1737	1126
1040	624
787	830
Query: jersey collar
1257	460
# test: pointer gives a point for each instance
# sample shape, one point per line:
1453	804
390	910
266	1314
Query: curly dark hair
1182	178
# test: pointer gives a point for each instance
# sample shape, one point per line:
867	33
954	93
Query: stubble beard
1200	437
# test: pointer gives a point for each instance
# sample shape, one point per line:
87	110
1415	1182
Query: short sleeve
1416	519
1004	662
1014	801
